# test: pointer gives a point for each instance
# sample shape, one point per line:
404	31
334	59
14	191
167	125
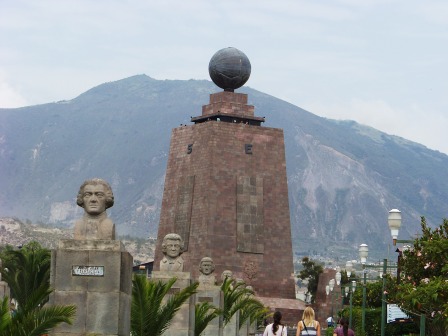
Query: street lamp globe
349	268
363	253
394	220
354	285
338	278
331	284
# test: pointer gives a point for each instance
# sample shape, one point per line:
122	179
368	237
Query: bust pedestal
183	322
213	295
231	328
96	276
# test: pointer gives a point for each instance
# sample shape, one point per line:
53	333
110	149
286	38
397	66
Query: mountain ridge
343	177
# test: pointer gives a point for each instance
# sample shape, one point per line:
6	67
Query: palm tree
34	322
151	314
239	298
27	272
252	311
204	313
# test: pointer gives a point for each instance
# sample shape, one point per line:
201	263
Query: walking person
308	326
276	328
343	330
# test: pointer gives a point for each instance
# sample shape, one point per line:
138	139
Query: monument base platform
96	276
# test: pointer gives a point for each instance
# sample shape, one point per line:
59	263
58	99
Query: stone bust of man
226	274
207	267
172	248
95	196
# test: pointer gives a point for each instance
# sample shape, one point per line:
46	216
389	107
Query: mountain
343	177
17	233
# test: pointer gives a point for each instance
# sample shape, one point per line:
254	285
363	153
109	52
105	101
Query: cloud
9	97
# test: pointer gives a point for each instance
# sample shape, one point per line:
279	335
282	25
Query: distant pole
351	305
363	253
422	325
364	301
383	300
332	310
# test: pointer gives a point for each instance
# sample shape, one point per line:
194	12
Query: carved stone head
206	266
95	196
172	245
226	274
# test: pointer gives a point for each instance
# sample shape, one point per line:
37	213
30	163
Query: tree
424	275
374	293
27	272
311	271
151	312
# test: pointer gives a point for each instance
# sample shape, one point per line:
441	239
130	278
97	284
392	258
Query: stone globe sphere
229	68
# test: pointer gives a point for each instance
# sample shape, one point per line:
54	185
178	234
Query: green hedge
373	323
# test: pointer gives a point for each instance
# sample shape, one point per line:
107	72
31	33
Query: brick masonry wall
324	302
217	159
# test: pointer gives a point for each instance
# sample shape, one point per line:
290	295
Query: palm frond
152	310
41	321
235	295
174	303
27	270
204	313
250	308
5	316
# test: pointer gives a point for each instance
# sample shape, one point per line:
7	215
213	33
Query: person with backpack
308	326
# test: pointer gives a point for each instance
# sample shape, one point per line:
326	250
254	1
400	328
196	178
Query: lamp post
394	221
327	289
349	269
331	285
345	293
383	299
351	302
363	253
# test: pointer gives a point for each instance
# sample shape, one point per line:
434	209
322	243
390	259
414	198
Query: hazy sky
381	63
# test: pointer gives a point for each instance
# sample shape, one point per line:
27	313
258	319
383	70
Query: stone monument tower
226	190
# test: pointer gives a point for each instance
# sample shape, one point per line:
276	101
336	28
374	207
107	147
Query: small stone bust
207	267
250	288
226	274
95	196
172	248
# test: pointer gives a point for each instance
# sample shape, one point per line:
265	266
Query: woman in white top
276	328
308	326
